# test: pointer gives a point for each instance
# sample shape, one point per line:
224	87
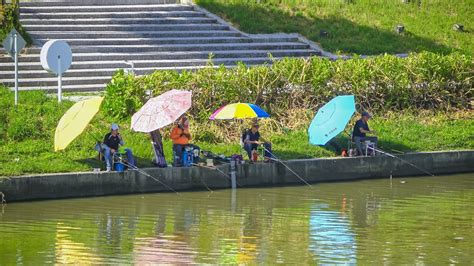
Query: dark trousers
249	147
178	154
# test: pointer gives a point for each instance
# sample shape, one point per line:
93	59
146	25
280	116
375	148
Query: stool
369	146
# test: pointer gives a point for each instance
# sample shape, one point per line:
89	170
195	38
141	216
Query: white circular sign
56	56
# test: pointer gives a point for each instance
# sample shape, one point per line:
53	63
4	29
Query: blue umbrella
331	119
331	237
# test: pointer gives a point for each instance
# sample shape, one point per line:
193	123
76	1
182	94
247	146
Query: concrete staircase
150	34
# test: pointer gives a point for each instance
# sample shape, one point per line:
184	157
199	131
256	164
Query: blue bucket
119	167
187	158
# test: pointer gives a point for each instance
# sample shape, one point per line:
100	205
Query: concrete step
52	81
118	21
135	34
78	82
53	88
179	47
103	14
126	28
102	8
37	3
161	41
173	55
106	35
35	70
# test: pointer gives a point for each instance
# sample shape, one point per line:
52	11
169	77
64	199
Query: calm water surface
406	221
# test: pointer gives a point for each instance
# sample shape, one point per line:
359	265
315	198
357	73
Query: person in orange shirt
180	136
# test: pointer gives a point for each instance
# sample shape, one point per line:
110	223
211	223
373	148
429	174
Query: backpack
243	137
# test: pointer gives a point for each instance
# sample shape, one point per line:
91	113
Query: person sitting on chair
251	140
110	146
361	128
180	136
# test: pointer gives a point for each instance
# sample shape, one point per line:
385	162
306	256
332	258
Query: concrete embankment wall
69	185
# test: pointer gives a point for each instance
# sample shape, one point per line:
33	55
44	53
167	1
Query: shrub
424	81
9	19
124	95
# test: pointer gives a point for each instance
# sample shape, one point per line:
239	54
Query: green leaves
383	83
124	95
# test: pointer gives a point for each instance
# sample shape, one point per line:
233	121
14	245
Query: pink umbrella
161	111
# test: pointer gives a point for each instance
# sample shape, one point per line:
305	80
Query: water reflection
424	221
332	240
70	252
160	249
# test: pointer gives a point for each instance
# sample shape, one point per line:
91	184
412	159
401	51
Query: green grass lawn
27	133
360	26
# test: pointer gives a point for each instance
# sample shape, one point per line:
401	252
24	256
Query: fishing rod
133	167
396	157
405	161
291	170
218	170
202	181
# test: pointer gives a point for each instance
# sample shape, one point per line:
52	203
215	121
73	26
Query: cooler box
119	167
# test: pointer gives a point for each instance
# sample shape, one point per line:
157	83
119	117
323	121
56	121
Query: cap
255	125
365	113
114	126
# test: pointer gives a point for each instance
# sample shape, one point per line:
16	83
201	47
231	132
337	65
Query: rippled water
406	221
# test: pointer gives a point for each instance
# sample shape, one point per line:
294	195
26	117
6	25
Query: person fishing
251	141
180	136
361	128
110	147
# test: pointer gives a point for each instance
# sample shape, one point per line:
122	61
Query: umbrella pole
93	136
287	167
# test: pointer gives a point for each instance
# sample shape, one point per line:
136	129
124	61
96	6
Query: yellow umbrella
74	121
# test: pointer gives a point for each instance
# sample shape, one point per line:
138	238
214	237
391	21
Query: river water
404	221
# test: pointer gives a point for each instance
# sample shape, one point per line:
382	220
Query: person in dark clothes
361	128
251	140
110	146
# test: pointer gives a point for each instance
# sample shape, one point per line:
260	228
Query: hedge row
425	81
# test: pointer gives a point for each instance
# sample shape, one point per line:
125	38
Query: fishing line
218	170
146	174
291	170
3	198
207	187
405	161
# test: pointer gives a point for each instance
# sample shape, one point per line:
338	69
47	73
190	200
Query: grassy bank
361	26
421	103
26	142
